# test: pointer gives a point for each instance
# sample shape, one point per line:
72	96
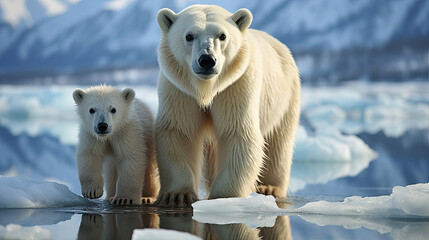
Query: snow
14	231
27	193
160	234
117	4
53	7
404	202
14	12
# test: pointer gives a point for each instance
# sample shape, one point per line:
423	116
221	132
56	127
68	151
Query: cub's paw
176	199
92	190
277	192
148	200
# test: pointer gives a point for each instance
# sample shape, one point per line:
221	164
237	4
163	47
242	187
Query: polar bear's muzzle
206	66
207	62
102	128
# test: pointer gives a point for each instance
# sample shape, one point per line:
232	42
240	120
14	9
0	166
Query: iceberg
330	146
27	193
359	107
327	156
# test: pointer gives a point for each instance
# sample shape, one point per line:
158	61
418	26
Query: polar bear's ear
166	18
243	18
78	95
128	95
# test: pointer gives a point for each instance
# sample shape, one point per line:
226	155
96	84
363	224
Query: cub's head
103	109
203	43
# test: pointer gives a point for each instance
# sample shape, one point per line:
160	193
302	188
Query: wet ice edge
410	202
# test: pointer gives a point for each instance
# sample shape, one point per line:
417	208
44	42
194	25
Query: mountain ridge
320	35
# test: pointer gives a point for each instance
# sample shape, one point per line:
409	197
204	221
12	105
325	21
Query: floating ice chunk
255	211
161	234
259	204
14	231
412	200
18	192
261	211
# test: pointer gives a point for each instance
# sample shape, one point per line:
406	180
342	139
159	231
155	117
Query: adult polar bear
228	93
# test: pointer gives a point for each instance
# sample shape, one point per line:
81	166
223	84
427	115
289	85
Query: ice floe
405	202
19	192
409	201
255	211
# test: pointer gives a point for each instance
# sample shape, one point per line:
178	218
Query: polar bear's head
103	109
203	46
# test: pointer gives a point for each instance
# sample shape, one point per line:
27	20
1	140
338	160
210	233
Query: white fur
125	155
245	112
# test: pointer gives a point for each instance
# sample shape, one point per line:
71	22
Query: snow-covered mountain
19	15
331	39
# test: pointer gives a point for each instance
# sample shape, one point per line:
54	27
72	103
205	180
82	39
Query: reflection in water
281	230
32	217
122	225
115	226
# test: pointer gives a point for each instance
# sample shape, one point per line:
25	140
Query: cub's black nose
207	61
102	127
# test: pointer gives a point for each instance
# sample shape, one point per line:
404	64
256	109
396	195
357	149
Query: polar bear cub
116	143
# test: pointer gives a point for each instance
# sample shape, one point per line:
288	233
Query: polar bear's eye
91	110
222	37
113	110
189	37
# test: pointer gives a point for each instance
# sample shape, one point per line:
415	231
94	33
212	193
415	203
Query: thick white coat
125	156
242	118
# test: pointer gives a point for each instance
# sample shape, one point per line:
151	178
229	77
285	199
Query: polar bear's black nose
207	61
102	127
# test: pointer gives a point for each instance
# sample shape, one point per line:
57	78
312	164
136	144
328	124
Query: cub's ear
128	95
166	18
78	95
243	18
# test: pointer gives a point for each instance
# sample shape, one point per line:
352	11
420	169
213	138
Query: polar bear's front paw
124	201
92	190
176	199
277	192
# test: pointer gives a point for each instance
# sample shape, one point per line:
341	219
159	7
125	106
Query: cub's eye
189	37
91	110
113	110
222	37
